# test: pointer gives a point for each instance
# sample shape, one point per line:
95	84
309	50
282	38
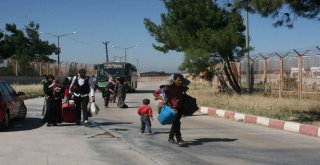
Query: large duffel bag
167	115
69	112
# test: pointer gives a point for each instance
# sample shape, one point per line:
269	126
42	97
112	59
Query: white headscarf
111	79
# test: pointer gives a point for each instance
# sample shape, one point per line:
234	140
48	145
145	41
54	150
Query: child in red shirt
145	112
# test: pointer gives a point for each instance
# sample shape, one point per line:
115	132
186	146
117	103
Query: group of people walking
115	89
81	88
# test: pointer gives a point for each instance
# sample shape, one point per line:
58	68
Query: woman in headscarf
109	91
121	91
52	88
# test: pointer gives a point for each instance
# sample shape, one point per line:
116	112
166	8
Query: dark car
11	105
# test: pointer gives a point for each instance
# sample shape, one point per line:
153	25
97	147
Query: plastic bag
167	115
93	109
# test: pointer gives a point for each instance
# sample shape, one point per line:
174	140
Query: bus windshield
112	72
123	70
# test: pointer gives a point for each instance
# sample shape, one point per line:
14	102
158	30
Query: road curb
304	129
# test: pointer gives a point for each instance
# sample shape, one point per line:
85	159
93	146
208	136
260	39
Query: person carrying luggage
174	94
82	88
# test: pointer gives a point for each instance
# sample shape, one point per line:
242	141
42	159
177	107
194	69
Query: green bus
116	70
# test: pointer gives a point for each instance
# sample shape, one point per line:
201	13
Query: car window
12	92
5	91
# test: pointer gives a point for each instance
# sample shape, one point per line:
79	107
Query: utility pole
249	69
107	55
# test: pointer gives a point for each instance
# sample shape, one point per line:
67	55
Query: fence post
300	67
281	62
54	69
252	63
300	76
265	72
239	72
17	67
40	71
47	68
281	78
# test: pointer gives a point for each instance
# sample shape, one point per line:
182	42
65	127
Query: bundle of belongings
167	113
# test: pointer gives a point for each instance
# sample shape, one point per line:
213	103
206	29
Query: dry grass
31	90
301	110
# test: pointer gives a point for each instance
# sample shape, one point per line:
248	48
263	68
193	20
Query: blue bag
167	115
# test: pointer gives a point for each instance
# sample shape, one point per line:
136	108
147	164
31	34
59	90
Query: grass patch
291	109
31	90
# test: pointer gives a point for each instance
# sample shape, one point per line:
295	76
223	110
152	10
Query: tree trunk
223	83
231	78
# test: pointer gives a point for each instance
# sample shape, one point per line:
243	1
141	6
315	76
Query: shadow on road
161	132
67	124
25	125
112	123
131	107
196	114
208	140
144	91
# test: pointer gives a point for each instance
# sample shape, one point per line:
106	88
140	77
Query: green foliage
284	12
199	28
25	45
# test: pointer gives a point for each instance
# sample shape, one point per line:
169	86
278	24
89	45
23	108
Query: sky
121	23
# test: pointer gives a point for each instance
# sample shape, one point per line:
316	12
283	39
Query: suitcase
69	112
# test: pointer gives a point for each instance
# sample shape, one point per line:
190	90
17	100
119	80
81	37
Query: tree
285	12
207	34
25	46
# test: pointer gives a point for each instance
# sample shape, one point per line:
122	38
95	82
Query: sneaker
181	143
86	122
142	132
172	141
125	106
148	133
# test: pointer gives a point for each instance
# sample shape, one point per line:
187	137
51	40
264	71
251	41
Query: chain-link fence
294	73
38	69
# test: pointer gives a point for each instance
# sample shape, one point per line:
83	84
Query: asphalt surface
114	138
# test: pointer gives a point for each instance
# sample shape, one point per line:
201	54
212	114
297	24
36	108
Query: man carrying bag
174	94
82	88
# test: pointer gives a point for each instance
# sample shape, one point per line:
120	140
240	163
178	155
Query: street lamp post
107	54
58	36
249	69
125	50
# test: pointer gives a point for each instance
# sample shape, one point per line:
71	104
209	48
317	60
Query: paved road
115	139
